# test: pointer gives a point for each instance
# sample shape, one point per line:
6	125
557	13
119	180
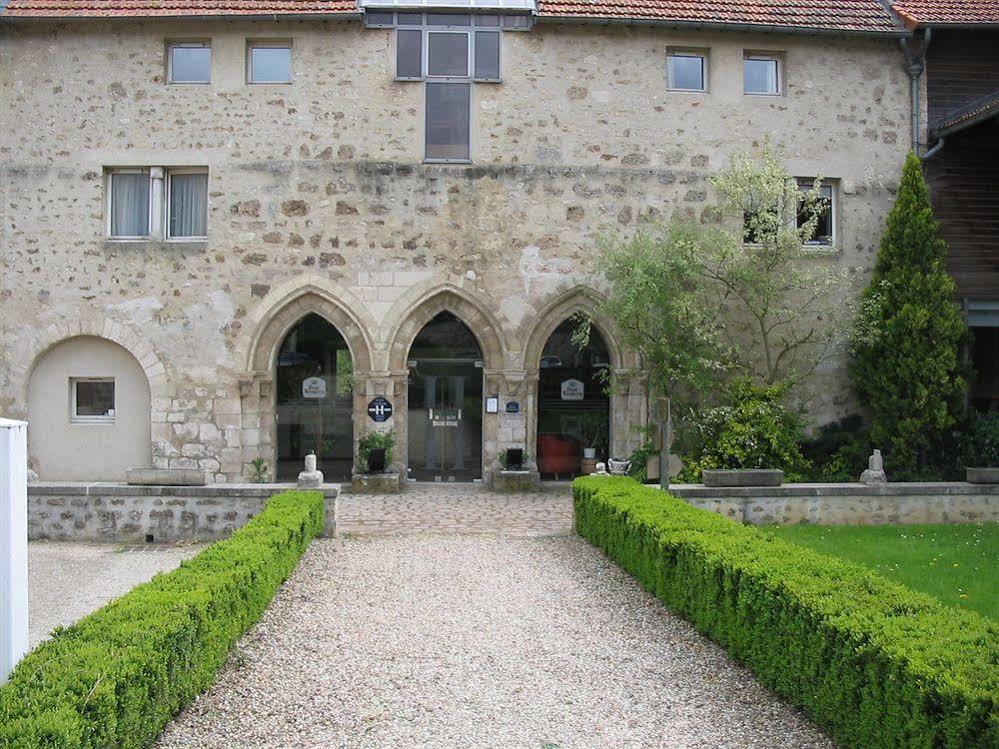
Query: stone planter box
982	475
166	477
743	477
376	483
504	480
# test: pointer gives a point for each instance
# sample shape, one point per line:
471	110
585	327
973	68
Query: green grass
958	564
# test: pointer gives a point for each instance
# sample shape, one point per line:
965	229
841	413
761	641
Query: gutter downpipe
915	67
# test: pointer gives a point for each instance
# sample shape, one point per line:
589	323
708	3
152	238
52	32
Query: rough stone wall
319	198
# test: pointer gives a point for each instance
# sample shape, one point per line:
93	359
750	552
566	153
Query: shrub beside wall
119	675
873	662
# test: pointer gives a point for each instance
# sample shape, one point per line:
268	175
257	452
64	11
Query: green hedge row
119	675
873	662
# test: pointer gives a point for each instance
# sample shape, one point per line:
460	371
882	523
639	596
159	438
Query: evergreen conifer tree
906	362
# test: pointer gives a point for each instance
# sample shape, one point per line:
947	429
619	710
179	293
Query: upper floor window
761	74
824	233
140	206
187	203
686	70
128	207
189	62
448	52
268	62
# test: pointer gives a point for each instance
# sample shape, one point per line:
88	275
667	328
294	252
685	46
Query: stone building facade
320	201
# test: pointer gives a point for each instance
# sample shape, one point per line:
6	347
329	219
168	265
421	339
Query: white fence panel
13	544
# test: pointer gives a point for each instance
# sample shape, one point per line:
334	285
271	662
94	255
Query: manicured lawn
959	564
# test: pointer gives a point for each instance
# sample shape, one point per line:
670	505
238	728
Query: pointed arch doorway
445	402
573	415
314	400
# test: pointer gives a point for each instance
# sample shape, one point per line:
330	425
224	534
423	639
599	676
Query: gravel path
478	641
67	581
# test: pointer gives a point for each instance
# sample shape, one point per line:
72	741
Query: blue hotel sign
379	409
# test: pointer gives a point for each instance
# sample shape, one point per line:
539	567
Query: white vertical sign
13	544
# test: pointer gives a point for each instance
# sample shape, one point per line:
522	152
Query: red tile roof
819	15
948	12
140	8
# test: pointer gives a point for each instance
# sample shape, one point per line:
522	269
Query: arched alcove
88	412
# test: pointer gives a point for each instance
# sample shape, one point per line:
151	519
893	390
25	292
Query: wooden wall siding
961	66
964	188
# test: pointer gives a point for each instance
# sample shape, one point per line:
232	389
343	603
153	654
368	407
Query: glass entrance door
314	401
445	403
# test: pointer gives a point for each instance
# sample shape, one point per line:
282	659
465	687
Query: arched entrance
314	400
573	413
445	402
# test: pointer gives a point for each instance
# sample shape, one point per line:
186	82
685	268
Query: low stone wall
139	514
848	504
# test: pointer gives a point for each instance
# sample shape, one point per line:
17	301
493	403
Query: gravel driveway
68	580
478	641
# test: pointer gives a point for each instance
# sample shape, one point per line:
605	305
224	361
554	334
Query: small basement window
189	62
92	399
686	71
129	204
761	74
268	62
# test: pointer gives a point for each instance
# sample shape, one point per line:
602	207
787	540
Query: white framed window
187	203
189	62
761	74
824	234
687	70
92	400
129	203
268	62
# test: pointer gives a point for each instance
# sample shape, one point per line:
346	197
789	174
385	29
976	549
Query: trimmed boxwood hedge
116	677
873	662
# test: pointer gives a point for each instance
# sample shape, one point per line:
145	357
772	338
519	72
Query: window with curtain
761	74
269	62
188	204
189	62
129	204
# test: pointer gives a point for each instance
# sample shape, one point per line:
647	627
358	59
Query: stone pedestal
376	483
515	481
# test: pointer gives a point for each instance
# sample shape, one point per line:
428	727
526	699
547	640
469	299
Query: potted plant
593	433
981	450
513	459
374	452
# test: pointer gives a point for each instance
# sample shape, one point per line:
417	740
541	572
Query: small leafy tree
782	303
906	347
662	309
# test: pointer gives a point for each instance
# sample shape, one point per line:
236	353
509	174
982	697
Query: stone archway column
393	387
629	412
532	383
258	429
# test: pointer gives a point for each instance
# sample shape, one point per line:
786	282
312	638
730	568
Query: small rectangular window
129	203
686	71
375	20
824	234
761	74
447	54
189	62
449	19
448	116
409	19
409	54
187	204
487	21
516	22
269	62
92	399
487	55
